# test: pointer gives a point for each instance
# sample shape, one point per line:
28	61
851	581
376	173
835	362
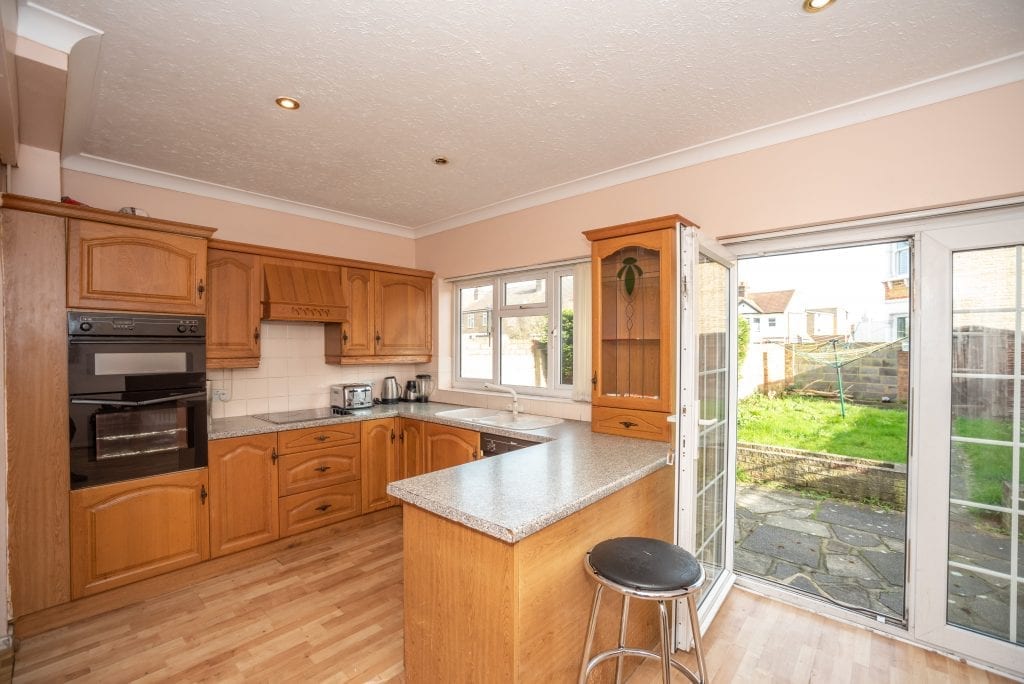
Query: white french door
968	572
705	410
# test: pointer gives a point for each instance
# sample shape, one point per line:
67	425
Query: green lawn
990	465
816	425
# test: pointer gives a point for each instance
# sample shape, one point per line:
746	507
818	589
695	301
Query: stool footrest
640	653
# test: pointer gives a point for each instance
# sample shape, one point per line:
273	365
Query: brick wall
884	373
841	476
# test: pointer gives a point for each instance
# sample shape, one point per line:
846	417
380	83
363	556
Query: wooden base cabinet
243	493
380	462
128	531
411	444
446	446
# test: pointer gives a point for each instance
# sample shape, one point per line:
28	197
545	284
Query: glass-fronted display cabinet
634	326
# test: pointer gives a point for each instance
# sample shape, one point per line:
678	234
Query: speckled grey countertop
512	495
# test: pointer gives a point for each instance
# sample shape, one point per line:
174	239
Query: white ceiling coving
525	99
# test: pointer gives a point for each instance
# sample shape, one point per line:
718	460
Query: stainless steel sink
503	419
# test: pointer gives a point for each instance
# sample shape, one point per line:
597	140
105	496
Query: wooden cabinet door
128	531
633	277
410	445
402	314
243	493
380	463
132	269
357	332
233	309
447	446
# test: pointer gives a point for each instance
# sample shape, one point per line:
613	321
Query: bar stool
647	569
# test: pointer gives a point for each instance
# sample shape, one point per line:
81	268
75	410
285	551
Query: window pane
524	351
476	305
565	357
532	291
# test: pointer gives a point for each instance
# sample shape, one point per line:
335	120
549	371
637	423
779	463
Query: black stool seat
645	564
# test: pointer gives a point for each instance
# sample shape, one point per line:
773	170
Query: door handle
200	288
321	438
322	469
273	455
626	424
323	507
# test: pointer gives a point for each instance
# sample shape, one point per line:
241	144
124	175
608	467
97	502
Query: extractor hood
296	291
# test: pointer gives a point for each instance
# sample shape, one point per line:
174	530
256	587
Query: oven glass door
134	364
125	435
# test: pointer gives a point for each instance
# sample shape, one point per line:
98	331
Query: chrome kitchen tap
515	397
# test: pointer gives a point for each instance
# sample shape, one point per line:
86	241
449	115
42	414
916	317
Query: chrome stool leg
590	634
666	644
698	649
623	623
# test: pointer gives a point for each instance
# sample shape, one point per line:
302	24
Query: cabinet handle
273	455
323	507
401	436
474	454
344	337
392	436
256	334
321	438
200	288
377	337
202	494
593	380
322	469
626	424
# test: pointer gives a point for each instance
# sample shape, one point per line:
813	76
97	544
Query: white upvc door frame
922	600
690	245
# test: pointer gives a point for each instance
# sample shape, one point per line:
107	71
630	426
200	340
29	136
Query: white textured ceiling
520	96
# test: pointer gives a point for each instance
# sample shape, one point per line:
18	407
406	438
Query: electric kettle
410	392
390	393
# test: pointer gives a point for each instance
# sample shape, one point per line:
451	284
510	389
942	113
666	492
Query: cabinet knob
344	337
377	337
475	454
392	436
626	424
323	507
593	380
200	288
321	438
273	455
202	494
256	334
322	469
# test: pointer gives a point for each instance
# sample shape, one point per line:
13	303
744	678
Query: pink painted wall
241	223
965	149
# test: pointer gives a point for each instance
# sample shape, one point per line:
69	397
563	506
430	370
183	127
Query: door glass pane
630	323
712	422
476	306
524	351
566	308
984	559
522	292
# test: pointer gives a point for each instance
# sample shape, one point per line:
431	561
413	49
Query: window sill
556	407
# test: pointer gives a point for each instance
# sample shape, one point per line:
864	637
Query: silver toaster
352	396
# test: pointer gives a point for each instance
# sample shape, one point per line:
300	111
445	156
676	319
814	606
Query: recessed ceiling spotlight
287	103
440	161
813	6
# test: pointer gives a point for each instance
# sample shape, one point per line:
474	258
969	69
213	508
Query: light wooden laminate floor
332	611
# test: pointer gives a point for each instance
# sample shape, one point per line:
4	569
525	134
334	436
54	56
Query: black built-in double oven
137	385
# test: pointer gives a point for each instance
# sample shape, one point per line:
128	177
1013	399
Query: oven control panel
100	324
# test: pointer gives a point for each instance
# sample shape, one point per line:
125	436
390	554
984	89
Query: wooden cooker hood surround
303	292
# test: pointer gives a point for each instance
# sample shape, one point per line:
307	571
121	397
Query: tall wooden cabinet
243	493
128	531
389	319
235	281
634	307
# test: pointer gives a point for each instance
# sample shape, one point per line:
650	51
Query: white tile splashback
292	374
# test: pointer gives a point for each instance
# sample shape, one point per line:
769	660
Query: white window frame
553	275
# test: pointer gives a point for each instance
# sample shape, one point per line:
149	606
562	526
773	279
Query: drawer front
309	510
292	441
629	423
307	470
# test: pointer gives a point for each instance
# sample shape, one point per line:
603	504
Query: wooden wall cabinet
389	319
319	476
411	445
380	462
235	285
446	446
128	531
243	493
633	323
131	269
